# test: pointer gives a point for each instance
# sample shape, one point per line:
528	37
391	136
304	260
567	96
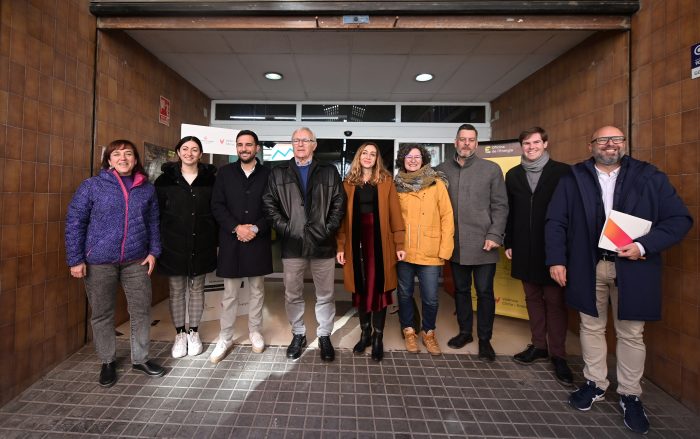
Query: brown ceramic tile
22	332
8	272
658	132
29	139
27	177
45	87
10	208
23	303
690	348
26	208
44	118
672	314
55	179
690	321
54	235
56	151
689	189
8	242
24	273
55	208
25	239
4	108
42	178
7	307
39	268
16	78
30	114
39	245
41	204
38	296
690	129
36	337
672	37
43	147
13	147
689	254
57	122
14	117
672	98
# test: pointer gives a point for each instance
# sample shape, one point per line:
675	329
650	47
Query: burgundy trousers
548	317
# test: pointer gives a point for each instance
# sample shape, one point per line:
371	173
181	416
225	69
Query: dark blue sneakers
583	398
634	415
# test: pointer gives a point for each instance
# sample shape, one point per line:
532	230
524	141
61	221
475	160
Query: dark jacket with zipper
306	225
237	199
187	226
526	216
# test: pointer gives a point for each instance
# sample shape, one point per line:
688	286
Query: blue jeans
485	300
428	276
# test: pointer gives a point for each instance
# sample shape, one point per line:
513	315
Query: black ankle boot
377	346
366	337
365	340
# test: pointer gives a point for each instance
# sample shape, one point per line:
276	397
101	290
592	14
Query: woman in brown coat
370	241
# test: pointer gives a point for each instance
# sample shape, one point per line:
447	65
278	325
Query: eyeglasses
604	140
304	141
414	157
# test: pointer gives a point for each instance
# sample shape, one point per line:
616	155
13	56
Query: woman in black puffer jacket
188	236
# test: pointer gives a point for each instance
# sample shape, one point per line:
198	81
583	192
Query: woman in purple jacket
111	237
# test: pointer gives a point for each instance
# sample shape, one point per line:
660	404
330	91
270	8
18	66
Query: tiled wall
130	82
587	88
47	58
666	131
46	90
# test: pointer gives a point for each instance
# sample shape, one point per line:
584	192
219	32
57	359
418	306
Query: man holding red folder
629	279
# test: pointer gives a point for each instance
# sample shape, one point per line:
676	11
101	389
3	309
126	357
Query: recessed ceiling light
424	77
273	76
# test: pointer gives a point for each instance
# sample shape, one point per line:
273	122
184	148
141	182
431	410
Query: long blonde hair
379	172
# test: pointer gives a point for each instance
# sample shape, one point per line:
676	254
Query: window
443	113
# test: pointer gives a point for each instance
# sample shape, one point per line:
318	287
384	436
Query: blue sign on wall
695	61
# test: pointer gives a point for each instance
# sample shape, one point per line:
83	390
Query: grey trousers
101	284
178	305
229	305
322	271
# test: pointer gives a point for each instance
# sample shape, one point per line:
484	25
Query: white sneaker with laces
220	351
258	342
179	349
194	344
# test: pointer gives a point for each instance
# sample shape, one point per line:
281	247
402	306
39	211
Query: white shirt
607	187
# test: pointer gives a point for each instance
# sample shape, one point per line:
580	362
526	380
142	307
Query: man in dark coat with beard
244	240
629	279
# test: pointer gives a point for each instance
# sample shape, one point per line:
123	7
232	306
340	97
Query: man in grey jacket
480	205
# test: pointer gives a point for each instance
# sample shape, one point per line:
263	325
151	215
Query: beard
248	160
466	153
608	160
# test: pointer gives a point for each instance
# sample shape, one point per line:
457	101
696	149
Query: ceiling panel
356	65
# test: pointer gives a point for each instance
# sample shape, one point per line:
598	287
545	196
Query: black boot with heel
366	336
378	319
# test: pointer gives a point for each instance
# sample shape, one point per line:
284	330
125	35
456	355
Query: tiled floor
267	396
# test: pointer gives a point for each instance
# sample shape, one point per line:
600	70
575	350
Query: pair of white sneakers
187	344
222	346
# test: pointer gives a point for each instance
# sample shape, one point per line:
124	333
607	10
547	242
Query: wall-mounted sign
214	140
164	111
695	61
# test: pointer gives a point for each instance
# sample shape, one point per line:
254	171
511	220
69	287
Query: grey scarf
533	169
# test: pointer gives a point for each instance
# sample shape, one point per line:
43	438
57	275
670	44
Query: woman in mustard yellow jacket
370	241
427	213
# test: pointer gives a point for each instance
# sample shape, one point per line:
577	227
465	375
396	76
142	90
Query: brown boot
411	340
430	342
